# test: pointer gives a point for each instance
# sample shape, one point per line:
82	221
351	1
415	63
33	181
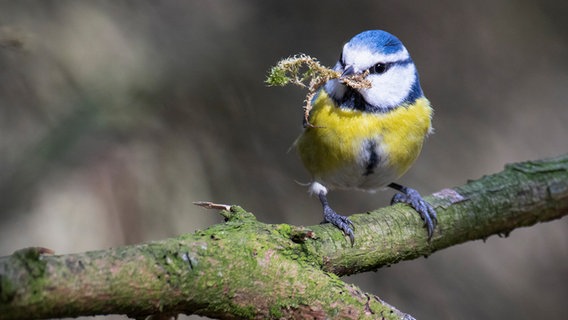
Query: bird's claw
424	209
341	222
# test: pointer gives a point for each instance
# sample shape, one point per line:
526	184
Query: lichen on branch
307	72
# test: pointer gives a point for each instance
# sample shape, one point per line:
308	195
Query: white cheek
391	88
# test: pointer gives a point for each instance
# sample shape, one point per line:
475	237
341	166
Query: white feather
317	188
362	58
391	87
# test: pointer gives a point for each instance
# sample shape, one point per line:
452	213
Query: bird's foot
341	222
415	200
329	215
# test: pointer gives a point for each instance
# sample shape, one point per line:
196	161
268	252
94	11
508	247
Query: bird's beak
349	70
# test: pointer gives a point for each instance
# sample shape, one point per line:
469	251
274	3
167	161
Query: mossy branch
244	268
306	72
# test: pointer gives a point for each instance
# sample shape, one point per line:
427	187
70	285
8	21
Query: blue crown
377	40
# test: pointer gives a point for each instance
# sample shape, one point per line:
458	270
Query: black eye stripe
380	67
383	67
341	59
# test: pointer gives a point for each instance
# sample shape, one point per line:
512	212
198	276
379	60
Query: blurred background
116	115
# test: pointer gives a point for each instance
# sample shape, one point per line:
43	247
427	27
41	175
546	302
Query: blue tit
368	137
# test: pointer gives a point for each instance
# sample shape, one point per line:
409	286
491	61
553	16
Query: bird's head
393	76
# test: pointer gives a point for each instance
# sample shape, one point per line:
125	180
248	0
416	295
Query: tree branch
247	269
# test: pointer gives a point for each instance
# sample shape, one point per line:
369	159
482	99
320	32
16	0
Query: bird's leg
341	222
414	199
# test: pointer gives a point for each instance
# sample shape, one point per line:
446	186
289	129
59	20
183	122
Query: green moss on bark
247	269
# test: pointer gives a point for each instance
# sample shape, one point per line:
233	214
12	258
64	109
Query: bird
366	138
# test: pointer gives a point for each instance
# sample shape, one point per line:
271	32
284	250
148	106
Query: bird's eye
378	68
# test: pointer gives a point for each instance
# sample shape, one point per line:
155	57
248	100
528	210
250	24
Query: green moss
277	77
283	230
240	214
246	312
30	259
7	290
301	70
276	311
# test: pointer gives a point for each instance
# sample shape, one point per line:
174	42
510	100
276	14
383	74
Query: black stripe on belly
373	160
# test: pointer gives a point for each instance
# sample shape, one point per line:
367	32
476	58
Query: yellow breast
340	135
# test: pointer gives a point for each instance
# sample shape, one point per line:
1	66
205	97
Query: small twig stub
211	205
